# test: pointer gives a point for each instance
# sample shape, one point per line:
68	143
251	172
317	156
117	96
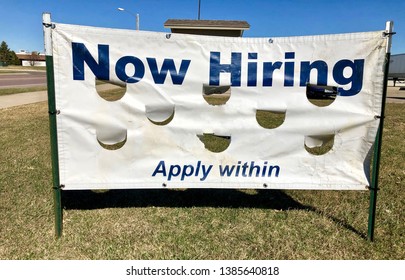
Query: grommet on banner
270	41
168	36
164	185
265	185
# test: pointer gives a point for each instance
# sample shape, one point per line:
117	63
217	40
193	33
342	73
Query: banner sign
156	134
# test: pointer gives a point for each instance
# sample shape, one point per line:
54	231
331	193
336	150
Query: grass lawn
8	91
190	224
19	68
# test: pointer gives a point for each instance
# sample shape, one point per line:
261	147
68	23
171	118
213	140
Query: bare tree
34	56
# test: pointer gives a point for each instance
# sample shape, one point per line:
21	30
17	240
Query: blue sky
21	20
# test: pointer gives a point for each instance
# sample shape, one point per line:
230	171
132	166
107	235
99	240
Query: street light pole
135	15
199	9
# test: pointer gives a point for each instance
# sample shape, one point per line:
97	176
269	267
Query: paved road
18	99
22	79
396	94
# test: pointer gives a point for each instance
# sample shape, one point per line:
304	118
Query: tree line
7	56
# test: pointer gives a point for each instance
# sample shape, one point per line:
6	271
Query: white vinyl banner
159	133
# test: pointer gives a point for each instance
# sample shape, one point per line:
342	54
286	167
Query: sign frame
53	112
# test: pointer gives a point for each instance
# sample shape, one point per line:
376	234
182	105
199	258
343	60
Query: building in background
31	58
229	28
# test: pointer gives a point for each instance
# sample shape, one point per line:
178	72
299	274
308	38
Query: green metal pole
378	142
57	192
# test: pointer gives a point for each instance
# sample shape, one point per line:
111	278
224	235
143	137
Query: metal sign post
57	192
378	141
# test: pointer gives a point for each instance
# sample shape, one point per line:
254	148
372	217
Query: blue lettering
252	71
168	65
226	170
348	73
182	171
256	168
216	68
268	69
205	172
289	70
121	73
320	66
161	168
101	68
274	167
249	170
356	78
237	169
174	171
188	170
80	55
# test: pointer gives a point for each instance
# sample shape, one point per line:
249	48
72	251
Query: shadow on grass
228	198
396	97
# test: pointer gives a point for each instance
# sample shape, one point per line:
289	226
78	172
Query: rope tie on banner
47	25
389	33
57	112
